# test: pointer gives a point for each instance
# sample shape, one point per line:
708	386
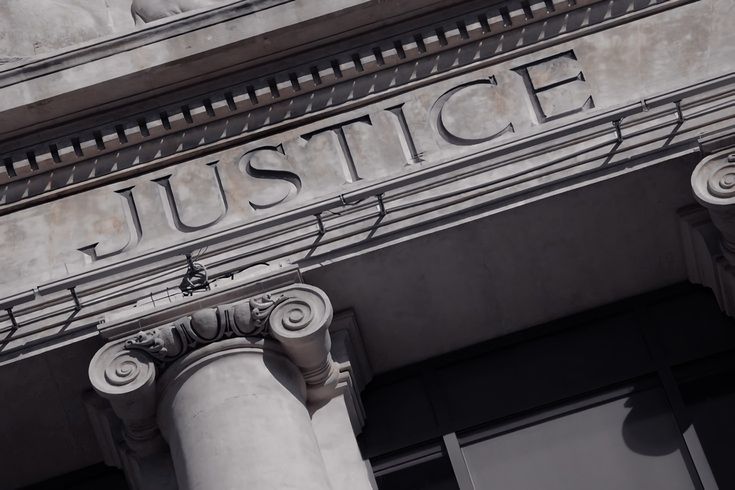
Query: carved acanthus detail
245	319
261	309
296	317
150	342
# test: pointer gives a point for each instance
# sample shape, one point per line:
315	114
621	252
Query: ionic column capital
713	183
713	180
126	378
297	317
708	234
270	352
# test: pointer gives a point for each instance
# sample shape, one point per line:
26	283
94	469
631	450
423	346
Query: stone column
234	416
232	390
713	182
709	233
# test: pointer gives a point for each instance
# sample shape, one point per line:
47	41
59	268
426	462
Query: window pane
711	402
436	474
628	443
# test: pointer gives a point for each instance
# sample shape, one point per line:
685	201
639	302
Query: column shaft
234	417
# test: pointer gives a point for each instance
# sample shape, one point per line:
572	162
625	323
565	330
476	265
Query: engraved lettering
196	196
270	166
407	143
350	169
472	113
556	86
132	220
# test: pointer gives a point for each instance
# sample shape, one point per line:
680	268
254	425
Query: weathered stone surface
150	10
32	28
237	419
318	160
29	28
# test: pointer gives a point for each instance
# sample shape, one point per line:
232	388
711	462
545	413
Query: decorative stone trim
298	82
168	343
713	182
126	378
297	317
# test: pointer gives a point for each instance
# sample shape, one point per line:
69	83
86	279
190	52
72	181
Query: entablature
318	83
420	156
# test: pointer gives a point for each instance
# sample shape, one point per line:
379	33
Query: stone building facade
360	244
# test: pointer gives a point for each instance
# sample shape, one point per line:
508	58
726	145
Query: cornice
31	174
171	54
30	68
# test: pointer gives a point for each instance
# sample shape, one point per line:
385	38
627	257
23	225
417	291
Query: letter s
272	175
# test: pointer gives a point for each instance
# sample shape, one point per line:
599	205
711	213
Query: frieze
392	140
267	101
333	156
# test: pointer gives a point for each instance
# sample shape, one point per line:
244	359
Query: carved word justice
427	125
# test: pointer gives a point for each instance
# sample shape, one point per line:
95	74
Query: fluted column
232	390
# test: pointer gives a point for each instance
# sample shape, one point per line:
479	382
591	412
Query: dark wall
679	331
97	477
